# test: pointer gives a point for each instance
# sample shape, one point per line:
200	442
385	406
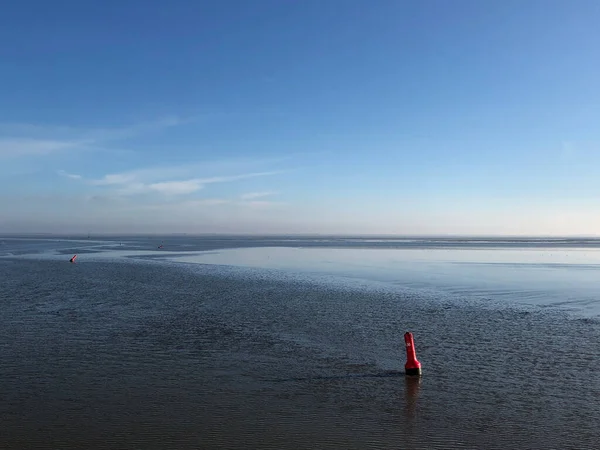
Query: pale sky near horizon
313	116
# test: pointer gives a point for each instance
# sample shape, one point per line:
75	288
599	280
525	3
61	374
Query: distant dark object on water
72	260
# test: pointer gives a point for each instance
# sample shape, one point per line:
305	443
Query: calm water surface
292	344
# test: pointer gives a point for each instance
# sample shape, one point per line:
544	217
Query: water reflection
527	276
412	390
412	387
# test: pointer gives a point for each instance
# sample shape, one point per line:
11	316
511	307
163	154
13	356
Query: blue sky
281	116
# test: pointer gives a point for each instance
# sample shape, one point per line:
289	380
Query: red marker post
412	366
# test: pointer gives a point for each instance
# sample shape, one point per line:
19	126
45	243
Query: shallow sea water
264	345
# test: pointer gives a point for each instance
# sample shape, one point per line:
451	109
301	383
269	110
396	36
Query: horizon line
308	235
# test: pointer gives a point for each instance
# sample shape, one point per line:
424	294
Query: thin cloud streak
176	187
154	180
239	177
187	171
255	195
17	147
114	179
20	140
131	186
72	176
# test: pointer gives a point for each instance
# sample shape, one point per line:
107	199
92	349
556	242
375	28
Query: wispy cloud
191	169
176	187
72	176
223	179
14	147
19	140
255	195
168	181
255	200
115	179
128	185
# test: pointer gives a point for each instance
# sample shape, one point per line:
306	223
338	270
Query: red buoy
73	258
412	366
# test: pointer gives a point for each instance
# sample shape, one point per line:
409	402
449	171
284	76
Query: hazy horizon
430	118
81	235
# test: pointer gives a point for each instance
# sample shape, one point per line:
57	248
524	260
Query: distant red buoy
412	366
73	258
